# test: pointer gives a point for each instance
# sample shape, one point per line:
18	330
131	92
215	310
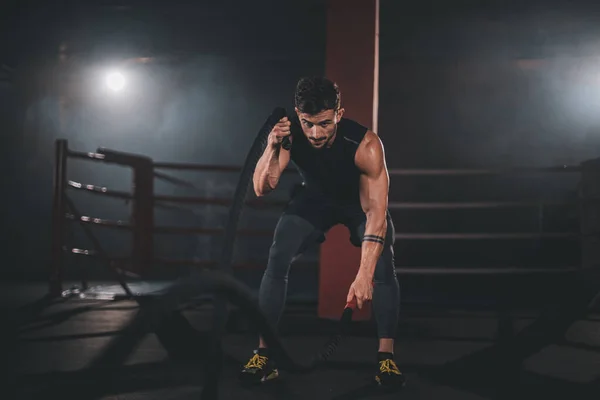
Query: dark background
462	85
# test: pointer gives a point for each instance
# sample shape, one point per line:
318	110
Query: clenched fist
279	131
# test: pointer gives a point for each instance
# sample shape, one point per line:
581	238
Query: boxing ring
144	201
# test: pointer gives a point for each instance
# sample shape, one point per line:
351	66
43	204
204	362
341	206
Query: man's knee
280	254
385	270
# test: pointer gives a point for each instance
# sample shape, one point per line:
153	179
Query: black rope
225	288
220	304
224	292
155	311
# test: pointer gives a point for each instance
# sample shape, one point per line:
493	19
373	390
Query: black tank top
330	172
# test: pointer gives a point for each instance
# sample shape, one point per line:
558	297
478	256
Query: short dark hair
316	94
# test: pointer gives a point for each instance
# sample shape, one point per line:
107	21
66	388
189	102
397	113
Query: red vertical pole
352	60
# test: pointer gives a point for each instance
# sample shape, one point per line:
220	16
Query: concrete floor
445	354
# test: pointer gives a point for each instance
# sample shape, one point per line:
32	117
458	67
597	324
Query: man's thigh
304	221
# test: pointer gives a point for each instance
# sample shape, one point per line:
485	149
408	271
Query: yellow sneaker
259	369
389	376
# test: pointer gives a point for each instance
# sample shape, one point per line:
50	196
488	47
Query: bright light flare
115	81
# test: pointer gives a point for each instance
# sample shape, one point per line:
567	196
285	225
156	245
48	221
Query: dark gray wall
483	87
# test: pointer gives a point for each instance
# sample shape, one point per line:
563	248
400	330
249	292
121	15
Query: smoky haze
459	87
200	97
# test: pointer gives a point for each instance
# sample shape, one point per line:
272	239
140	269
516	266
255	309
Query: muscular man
345	181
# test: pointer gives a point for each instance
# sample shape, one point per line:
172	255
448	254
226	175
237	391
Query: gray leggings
294	233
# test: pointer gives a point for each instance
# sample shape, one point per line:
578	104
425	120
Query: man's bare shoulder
370	153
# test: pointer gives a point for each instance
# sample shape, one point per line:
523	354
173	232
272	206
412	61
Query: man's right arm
269	169
274	160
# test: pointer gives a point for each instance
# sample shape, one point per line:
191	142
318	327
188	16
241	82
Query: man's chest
335	166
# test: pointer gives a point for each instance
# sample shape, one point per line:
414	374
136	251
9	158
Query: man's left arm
374	187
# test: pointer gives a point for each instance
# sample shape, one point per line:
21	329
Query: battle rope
152	314
224	288
155	311
220	304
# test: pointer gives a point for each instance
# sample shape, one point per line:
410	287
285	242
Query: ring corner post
61	150
352	34
143	215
